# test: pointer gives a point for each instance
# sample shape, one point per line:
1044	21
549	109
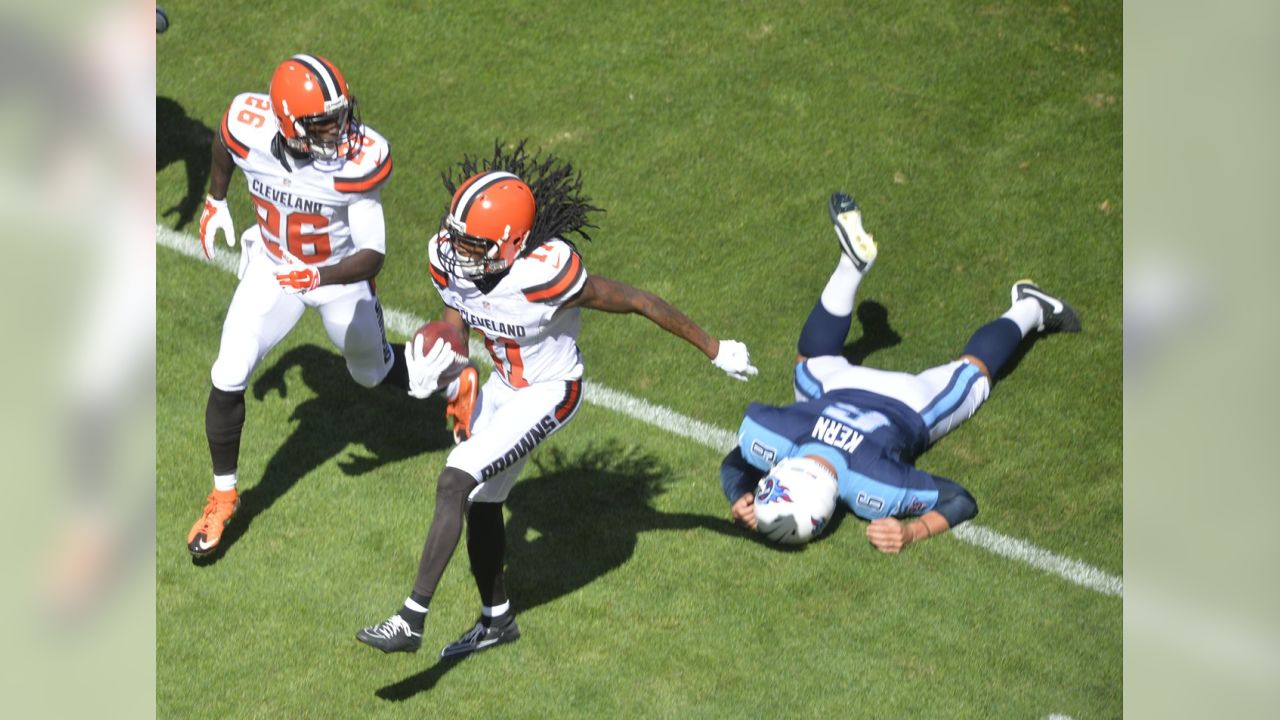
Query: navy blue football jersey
870	439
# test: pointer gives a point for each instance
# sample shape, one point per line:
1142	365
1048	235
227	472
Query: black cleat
855	242
1058	315
391	635
501	630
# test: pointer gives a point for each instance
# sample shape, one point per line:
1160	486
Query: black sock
223	423
416	619
486	544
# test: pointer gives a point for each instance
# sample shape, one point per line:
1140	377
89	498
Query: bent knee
231	374
368	375
455	482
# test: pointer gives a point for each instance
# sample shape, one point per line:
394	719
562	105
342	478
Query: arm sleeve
736	476
954	502
368	229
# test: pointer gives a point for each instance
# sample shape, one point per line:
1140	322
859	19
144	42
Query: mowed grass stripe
405	323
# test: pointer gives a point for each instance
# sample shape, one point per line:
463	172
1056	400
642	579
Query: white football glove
216	217
734	359
425	369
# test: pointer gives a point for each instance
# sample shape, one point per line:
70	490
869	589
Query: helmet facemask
470	256
328	135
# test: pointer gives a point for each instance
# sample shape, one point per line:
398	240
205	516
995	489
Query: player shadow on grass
873	332
181	138
390	425
574	519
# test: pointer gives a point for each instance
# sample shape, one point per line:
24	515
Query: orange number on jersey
365	141
258	103
542	257
305	243
268	217
248	117
510	365
298	231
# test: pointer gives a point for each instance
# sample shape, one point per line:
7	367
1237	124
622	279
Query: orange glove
297	278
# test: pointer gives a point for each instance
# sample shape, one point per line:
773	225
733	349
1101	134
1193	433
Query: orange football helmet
315	108
487	225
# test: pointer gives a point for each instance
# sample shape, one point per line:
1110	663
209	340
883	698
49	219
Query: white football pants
507	424
945	396
262	313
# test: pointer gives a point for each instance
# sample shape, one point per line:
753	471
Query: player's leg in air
824	333
944	396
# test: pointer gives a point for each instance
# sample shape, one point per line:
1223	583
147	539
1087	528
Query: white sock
409	603
496	610
224	482
838	295
1027	313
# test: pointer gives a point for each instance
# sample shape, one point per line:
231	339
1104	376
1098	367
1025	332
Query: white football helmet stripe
329	83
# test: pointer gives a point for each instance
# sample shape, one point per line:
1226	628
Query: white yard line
719	439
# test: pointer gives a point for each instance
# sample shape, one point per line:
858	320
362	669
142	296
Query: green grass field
984	143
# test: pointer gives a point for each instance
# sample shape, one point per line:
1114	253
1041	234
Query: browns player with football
314	173
505	266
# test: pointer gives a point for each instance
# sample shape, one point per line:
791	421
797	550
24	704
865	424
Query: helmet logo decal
772	491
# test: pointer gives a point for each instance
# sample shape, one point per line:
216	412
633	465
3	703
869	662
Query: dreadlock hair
557	190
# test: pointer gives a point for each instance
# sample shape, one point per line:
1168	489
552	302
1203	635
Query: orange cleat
207	532
460	408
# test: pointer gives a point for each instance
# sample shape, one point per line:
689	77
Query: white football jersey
305	205
530	337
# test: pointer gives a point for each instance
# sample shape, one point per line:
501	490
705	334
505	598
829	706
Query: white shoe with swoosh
855	242
1058	315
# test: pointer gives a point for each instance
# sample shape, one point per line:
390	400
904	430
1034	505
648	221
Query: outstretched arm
601	293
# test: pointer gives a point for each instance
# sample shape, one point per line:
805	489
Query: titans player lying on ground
866	426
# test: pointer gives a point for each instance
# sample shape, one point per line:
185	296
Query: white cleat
855	242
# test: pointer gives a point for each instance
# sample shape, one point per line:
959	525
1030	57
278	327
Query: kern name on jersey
304	204
530	337
864	437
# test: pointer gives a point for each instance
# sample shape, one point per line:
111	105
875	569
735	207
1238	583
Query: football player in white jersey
314	173
504	266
